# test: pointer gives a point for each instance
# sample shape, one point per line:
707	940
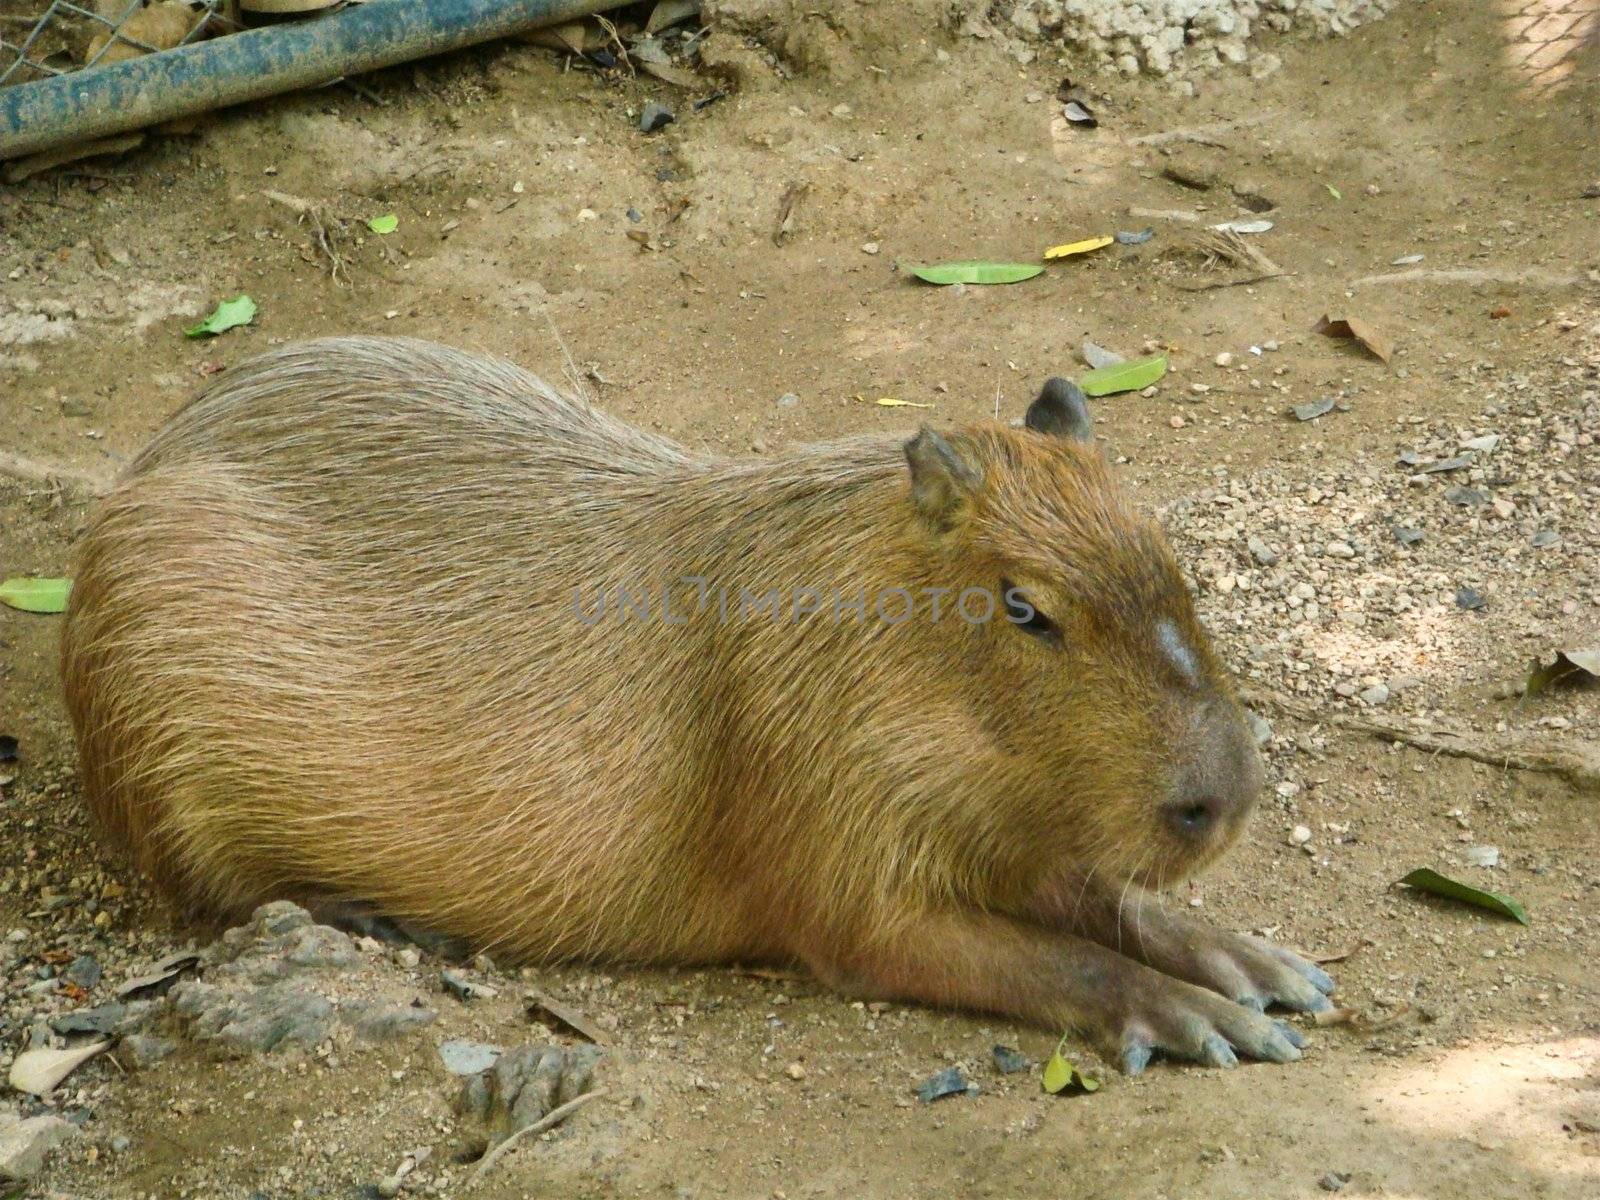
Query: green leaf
1428	880
1059	1074
1124	376
36	595
387	223
977	272
241	310
1333	191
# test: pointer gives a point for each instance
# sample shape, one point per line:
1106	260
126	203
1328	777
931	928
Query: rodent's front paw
1174	1018
1255	973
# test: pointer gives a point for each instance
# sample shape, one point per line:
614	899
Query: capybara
377	622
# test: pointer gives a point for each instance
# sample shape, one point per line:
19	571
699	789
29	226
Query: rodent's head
1094	679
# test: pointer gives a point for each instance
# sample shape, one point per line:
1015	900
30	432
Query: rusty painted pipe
198	78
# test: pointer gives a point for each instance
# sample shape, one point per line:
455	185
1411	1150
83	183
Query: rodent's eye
1021	613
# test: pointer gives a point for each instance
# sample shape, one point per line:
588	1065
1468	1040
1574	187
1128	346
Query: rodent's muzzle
1217	785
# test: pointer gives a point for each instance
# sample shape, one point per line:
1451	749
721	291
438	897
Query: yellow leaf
1083	247
1060	1074
891	402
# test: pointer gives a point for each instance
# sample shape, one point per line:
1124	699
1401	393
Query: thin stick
1198	133
1211	287
1473	277
549	1121
1578	768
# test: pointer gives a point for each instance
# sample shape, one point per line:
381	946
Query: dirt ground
1476	1071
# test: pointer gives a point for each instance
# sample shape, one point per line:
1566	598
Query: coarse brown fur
334	635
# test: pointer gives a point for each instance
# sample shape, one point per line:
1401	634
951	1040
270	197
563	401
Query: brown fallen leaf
1498	314
542	1004
667	73
161	26
1380	347
575	37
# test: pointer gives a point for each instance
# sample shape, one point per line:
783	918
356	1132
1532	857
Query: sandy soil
1478	1072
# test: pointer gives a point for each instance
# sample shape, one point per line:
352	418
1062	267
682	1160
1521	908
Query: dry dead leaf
1376	343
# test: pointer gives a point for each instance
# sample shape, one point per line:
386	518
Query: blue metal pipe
208	75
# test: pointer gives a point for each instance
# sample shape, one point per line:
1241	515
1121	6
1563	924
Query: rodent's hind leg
1247	970
990	963
365	920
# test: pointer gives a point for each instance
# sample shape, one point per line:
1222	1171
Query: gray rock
385	1022
654	117
525	1084
279	917
321	947
1261	552
24	1144
461	1057
253	1022
107	1018
788	400
83	971
143	1050
1375	695
948	1082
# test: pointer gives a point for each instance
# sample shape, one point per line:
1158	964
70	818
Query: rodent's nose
1215	791
1195	818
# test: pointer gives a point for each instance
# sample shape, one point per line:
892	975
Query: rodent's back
314	411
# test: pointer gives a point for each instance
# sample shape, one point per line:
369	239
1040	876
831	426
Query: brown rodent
338	633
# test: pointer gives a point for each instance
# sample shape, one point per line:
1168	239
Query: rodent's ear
942	479
1062	411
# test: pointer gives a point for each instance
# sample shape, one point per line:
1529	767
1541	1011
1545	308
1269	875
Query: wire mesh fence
44	38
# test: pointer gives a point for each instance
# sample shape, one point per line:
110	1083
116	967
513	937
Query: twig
1249	279
365	92
1472	276
1198	133
320	218
32	471
1579	767
616	40
549	1121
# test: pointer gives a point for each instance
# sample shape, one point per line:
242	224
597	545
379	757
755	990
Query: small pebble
655	116
948	1082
